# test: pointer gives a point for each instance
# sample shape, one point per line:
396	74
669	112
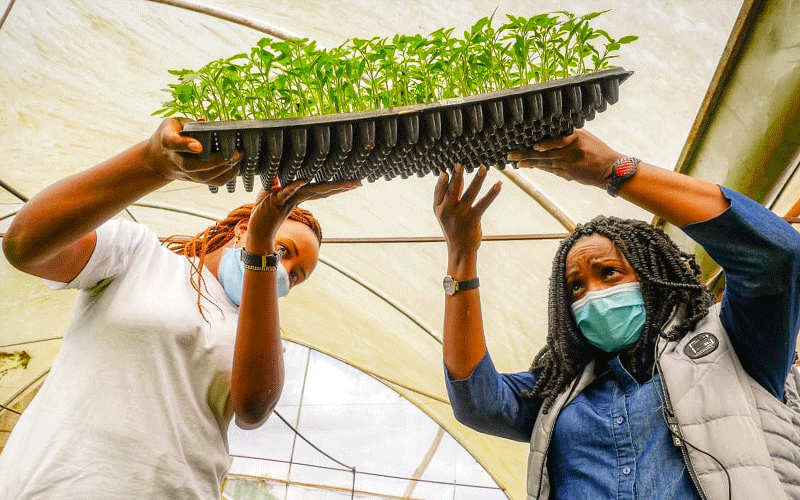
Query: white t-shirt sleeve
117	240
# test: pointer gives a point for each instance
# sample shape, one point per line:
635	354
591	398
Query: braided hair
195	248
669	278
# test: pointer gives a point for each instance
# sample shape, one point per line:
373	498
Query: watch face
449	285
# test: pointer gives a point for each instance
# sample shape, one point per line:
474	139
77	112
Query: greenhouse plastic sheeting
79	80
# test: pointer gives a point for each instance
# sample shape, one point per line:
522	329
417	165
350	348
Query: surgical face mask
231	275
611	319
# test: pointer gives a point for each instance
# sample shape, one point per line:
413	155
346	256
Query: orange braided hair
195	248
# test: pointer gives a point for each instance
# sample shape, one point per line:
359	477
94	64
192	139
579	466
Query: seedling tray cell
411	140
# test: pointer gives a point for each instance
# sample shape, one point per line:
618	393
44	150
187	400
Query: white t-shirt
136	405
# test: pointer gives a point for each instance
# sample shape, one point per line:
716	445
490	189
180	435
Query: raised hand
272	207
580	157
459	215
176	157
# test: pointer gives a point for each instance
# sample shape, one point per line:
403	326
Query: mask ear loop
664	410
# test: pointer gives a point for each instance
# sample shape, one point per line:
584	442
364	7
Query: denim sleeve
760	254
492	403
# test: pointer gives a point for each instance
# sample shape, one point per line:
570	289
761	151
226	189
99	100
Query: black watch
452	286
258	262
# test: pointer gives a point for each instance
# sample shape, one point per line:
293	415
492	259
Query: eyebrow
571	269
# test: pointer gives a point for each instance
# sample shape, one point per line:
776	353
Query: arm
759	252
463	344
53	235
582	157
258	372
492	402
481	398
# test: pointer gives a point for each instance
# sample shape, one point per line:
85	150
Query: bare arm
258	373
464	344
53	235
582	157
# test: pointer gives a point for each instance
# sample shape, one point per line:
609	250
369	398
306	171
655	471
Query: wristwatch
258	262
622	170
452	286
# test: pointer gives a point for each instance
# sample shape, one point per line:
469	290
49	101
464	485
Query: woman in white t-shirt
167	344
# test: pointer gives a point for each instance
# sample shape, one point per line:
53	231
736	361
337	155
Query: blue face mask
231	275
611	319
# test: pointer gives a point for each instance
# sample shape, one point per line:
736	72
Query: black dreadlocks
668	276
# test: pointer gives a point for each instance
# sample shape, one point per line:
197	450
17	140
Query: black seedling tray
411	140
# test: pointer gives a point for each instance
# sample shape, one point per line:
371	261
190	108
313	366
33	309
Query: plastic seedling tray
411	140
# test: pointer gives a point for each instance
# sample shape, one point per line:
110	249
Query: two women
164	347
645	388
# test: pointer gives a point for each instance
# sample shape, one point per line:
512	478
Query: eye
284	249
575	287
293	277
610	272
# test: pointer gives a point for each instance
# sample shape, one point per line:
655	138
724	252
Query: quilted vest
714	406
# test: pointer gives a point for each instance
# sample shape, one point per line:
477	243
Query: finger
262	193
194	168
537	163
456	183
172	139
207	173
220	176
441	188
564	155
283	196
305	195
319	196
475	186
324	189
556	142
561	172
332	190
488	198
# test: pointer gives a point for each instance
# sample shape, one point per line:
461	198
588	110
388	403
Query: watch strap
467	284
451	286
259	262
622	170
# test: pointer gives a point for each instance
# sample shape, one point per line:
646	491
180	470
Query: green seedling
292	78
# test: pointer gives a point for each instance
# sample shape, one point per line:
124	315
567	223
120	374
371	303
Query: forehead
591	247
304	240
297	230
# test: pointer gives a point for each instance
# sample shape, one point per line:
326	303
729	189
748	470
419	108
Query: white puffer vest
715	406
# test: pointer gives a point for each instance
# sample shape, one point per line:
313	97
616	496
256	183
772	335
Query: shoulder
121	245
123	232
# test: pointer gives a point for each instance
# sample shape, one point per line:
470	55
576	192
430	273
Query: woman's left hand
273	207
460	214
578	157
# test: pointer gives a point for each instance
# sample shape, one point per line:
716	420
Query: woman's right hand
176	157
272	207
459	215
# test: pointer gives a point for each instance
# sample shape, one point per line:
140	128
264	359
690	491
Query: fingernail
537	147
482	171
513	156
195	146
